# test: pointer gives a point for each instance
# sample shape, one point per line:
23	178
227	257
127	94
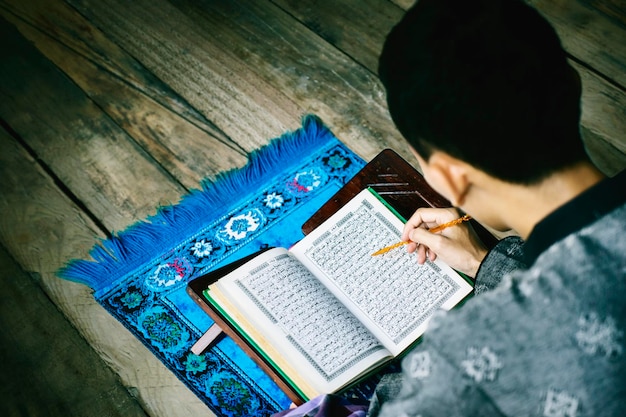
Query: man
483	93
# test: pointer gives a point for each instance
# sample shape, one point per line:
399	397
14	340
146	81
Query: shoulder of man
547	340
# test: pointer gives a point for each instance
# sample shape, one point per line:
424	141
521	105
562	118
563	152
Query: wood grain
60	21
118	181
257	44
591	31
48	368
405	4
185	150
201	69
42	228
357	27
603	124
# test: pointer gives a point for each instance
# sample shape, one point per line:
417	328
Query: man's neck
528	205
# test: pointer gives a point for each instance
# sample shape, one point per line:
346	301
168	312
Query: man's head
486	82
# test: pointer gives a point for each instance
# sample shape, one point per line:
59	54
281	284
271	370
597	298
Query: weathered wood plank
255	43
320	78
41	228
183	149
357	27
48	368
61	22
115	179
405	4
603	122
593	31
202	70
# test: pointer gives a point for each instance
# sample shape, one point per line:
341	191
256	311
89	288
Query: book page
391	293
308	327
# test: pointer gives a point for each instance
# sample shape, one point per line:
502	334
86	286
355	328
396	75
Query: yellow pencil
433	230
452	223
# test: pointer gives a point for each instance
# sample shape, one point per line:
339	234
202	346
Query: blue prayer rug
140	275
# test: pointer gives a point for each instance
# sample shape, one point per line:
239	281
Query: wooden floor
111	108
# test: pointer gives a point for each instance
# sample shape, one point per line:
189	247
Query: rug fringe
131	248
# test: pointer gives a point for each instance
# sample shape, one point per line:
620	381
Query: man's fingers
411	247
423	236
421	254
427	218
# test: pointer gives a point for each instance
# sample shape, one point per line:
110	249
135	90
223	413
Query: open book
325	312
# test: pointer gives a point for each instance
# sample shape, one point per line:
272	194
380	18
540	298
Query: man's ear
450	177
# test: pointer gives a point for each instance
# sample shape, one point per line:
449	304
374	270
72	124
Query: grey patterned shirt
545	334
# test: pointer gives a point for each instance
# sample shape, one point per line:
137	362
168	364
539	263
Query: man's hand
458	246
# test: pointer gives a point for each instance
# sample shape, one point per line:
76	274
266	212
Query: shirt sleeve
505	257
387	389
